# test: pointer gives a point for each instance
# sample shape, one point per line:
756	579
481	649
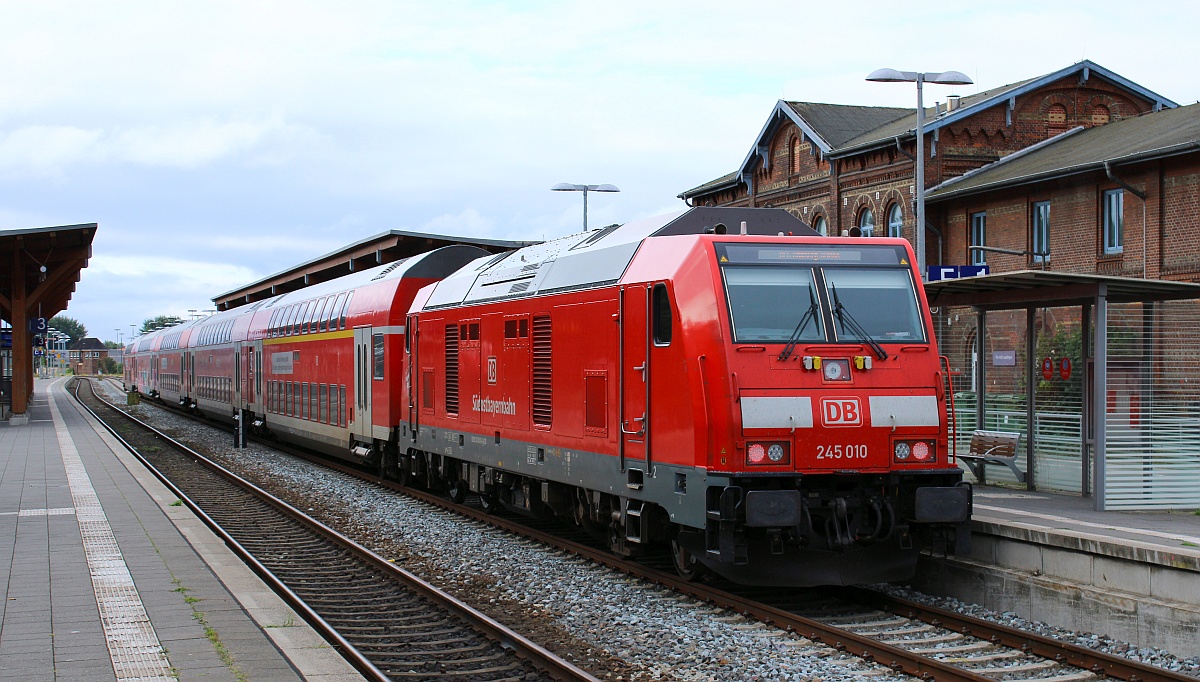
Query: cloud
54	150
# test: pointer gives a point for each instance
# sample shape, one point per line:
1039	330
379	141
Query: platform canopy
39	269
1031	290
382	248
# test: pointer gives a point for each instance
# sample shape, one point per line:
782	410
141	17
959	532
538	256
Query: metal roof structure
379	249
1038	288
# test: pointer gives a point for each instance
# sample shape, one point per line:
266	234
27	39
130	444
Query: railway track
387	622
905	636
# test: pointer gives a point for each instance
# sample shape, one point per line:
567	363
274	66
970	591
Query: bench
992	447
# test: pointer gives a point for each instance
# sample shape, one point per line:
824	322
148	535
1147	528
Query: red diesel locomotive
766	402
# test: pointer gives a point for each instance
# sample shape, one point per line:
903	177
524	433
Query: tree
113	344
69	326
160	322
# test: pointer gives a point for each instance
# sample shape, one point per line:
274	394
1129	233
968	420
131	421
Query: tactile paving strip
132	643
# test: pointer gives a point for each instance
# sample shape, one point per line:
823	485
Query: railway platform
1134	576
102	577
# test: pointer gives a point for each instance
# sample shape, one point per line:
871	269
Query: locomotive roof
596	258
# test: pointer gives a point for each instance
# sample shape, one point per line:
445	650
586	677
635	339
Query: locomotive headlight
775	452
836	370
903	450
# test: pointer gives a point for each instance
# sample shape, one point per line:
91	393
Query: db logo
491	369
841	412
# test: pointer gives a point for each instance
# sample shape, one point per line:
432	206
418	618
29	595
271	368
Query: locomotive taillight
915	452
768	453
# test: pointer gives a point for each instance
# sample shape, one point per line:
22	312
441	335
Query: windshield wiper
848	322
809	315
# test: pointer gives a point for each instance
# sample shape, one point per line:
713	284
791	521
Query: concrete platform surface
1134	576
103	579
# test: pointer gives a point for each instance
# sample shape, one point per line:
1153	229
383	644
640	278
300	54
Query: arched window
866	222
795	155
821	226
895	221
1100	115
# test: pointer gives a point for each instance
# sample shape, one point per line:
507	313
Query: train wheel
489	502
457	491
687	566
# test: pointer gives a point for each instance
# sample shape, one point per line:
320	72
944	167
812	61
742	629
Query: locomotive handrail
949	388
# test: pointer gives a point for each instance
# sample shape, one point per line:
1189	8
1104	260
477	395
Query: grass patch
211	634
177	503
1189	544
289	622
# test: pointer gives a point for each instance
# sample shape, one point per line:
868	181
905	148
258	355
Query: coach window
298	323
289	319
377	347
335	310
326	313
345	308
662	315
309	315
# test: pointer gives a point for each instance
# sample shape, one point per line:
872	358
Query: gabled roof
1004	95
89	343
1153	135
839	130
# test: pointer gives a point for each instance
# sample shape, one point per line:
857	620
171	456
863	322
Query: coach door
360	423
635	382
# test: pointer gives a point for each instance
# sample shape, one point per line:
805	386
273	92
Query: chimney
952	102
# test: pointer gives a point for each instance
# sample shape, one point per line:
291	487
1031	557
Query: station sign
6	338
936	273
37	325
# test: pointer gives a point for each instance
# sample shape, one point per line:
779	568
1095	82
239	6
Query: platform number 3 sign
492	369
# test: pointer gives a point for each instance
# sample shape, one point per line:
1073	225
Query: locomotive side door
634	411
360	423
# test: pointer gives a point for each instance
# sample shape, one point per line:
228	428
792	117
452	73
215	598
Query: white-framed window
866	222
978	237
1114	221
1040	237
821	226
895	221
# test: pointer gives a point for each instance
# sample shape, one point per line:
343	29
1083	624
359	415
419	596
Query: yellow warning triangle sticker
904	261
724	259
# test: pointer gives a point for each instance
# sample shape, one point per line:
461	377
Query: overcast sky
218	142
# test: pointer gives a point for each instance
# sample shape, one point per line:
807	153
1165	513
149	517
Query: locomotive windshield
767	304
864	293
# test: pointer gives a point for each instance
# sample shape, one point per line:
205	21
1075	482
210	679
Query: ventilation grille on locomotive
452	369
543	404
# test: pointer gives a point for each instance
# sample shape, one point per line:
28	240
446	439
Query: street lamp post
920	78
571	187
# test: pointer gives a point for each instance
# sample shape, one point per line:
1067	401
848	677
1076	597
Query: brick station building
1080	171
839	166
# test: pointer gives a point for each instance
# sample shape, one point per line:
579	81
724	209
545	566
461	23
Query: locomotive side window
883	302
661	315
769	304
377	352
